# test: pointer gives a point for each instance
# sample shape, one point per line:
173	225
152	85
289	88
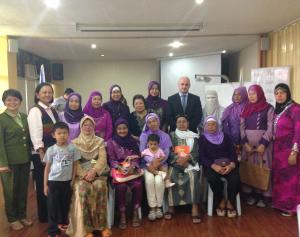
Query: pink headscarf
259	105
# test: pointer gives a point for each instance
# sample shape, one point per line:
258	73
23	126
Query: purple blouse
117	154
104	126
74	128
259	121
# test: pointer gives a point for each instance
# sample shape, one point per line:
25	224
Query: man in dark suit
186	103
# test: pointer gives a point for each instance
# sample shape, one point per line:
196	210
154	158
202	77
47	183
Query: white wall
132	76
172	70
245	60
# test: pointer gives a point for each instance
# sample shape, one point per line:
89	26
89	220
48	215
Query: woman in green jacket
14	159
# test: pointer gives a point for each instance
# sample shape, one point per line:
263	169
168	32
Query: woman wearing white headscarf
184	169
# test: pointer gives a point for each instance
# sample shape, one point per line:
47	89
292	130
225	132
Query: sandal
106	232
136	222
168	215
196	219
231	213
287	214
122	224
220	212
63	227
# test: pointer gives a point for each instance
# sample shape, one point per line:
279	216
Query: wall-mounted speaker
13	46
264	43
57	72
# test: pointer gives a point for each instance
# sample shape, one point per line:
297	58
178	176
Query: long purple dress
117	154
258	129
286	178
231	116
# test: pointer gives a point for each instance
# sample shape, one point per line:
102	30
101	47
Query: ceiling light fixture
102	55
199	1
93	46
54	4
176	44
171	54
224	51
101	28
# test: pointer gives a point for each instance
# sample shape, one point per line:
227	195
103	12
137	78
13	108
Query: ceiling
230	25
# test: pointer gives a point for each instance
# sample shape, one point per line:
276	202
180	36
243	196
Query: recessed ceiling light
224	51
199	1
93	46
102	55
171	54
176	44
52	3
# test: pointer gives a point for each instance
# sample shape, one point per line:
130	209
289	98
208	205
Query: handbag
119	177
255	175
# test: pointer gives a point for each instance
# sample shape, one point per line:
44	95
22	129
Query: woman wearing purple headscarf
117	104
232	115
154	183
257	135
217	154
152	127
72	115
156	104
101	117
121	146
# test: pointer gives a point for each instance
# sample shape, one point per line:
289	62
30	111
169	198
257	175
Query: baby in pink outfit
154	152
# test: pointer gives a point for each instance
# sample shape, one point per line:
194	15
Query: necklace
278	117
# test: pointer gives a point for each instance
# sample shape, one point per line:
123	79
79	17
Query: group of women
107	134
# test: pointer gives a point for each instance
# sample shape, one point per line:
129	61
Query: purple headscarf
127	142
73	116
165	141
90	110
155	101
235	109
216	137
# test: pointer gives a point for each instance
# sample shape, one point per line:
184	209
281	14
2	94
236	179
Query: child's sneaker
151	215
158	213
168	183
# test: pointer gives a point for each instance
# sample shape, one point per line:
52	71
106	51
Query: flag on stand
42	74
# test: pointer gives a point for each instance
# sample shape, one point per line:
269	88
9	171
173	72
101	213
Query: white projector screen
172	70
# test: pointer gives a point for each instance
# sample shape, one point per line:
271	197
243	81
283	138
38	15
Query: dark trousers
217	185
15	189
38	174
59	198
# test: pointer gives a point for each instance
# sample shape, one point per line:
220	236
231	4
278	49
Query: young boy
59	174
